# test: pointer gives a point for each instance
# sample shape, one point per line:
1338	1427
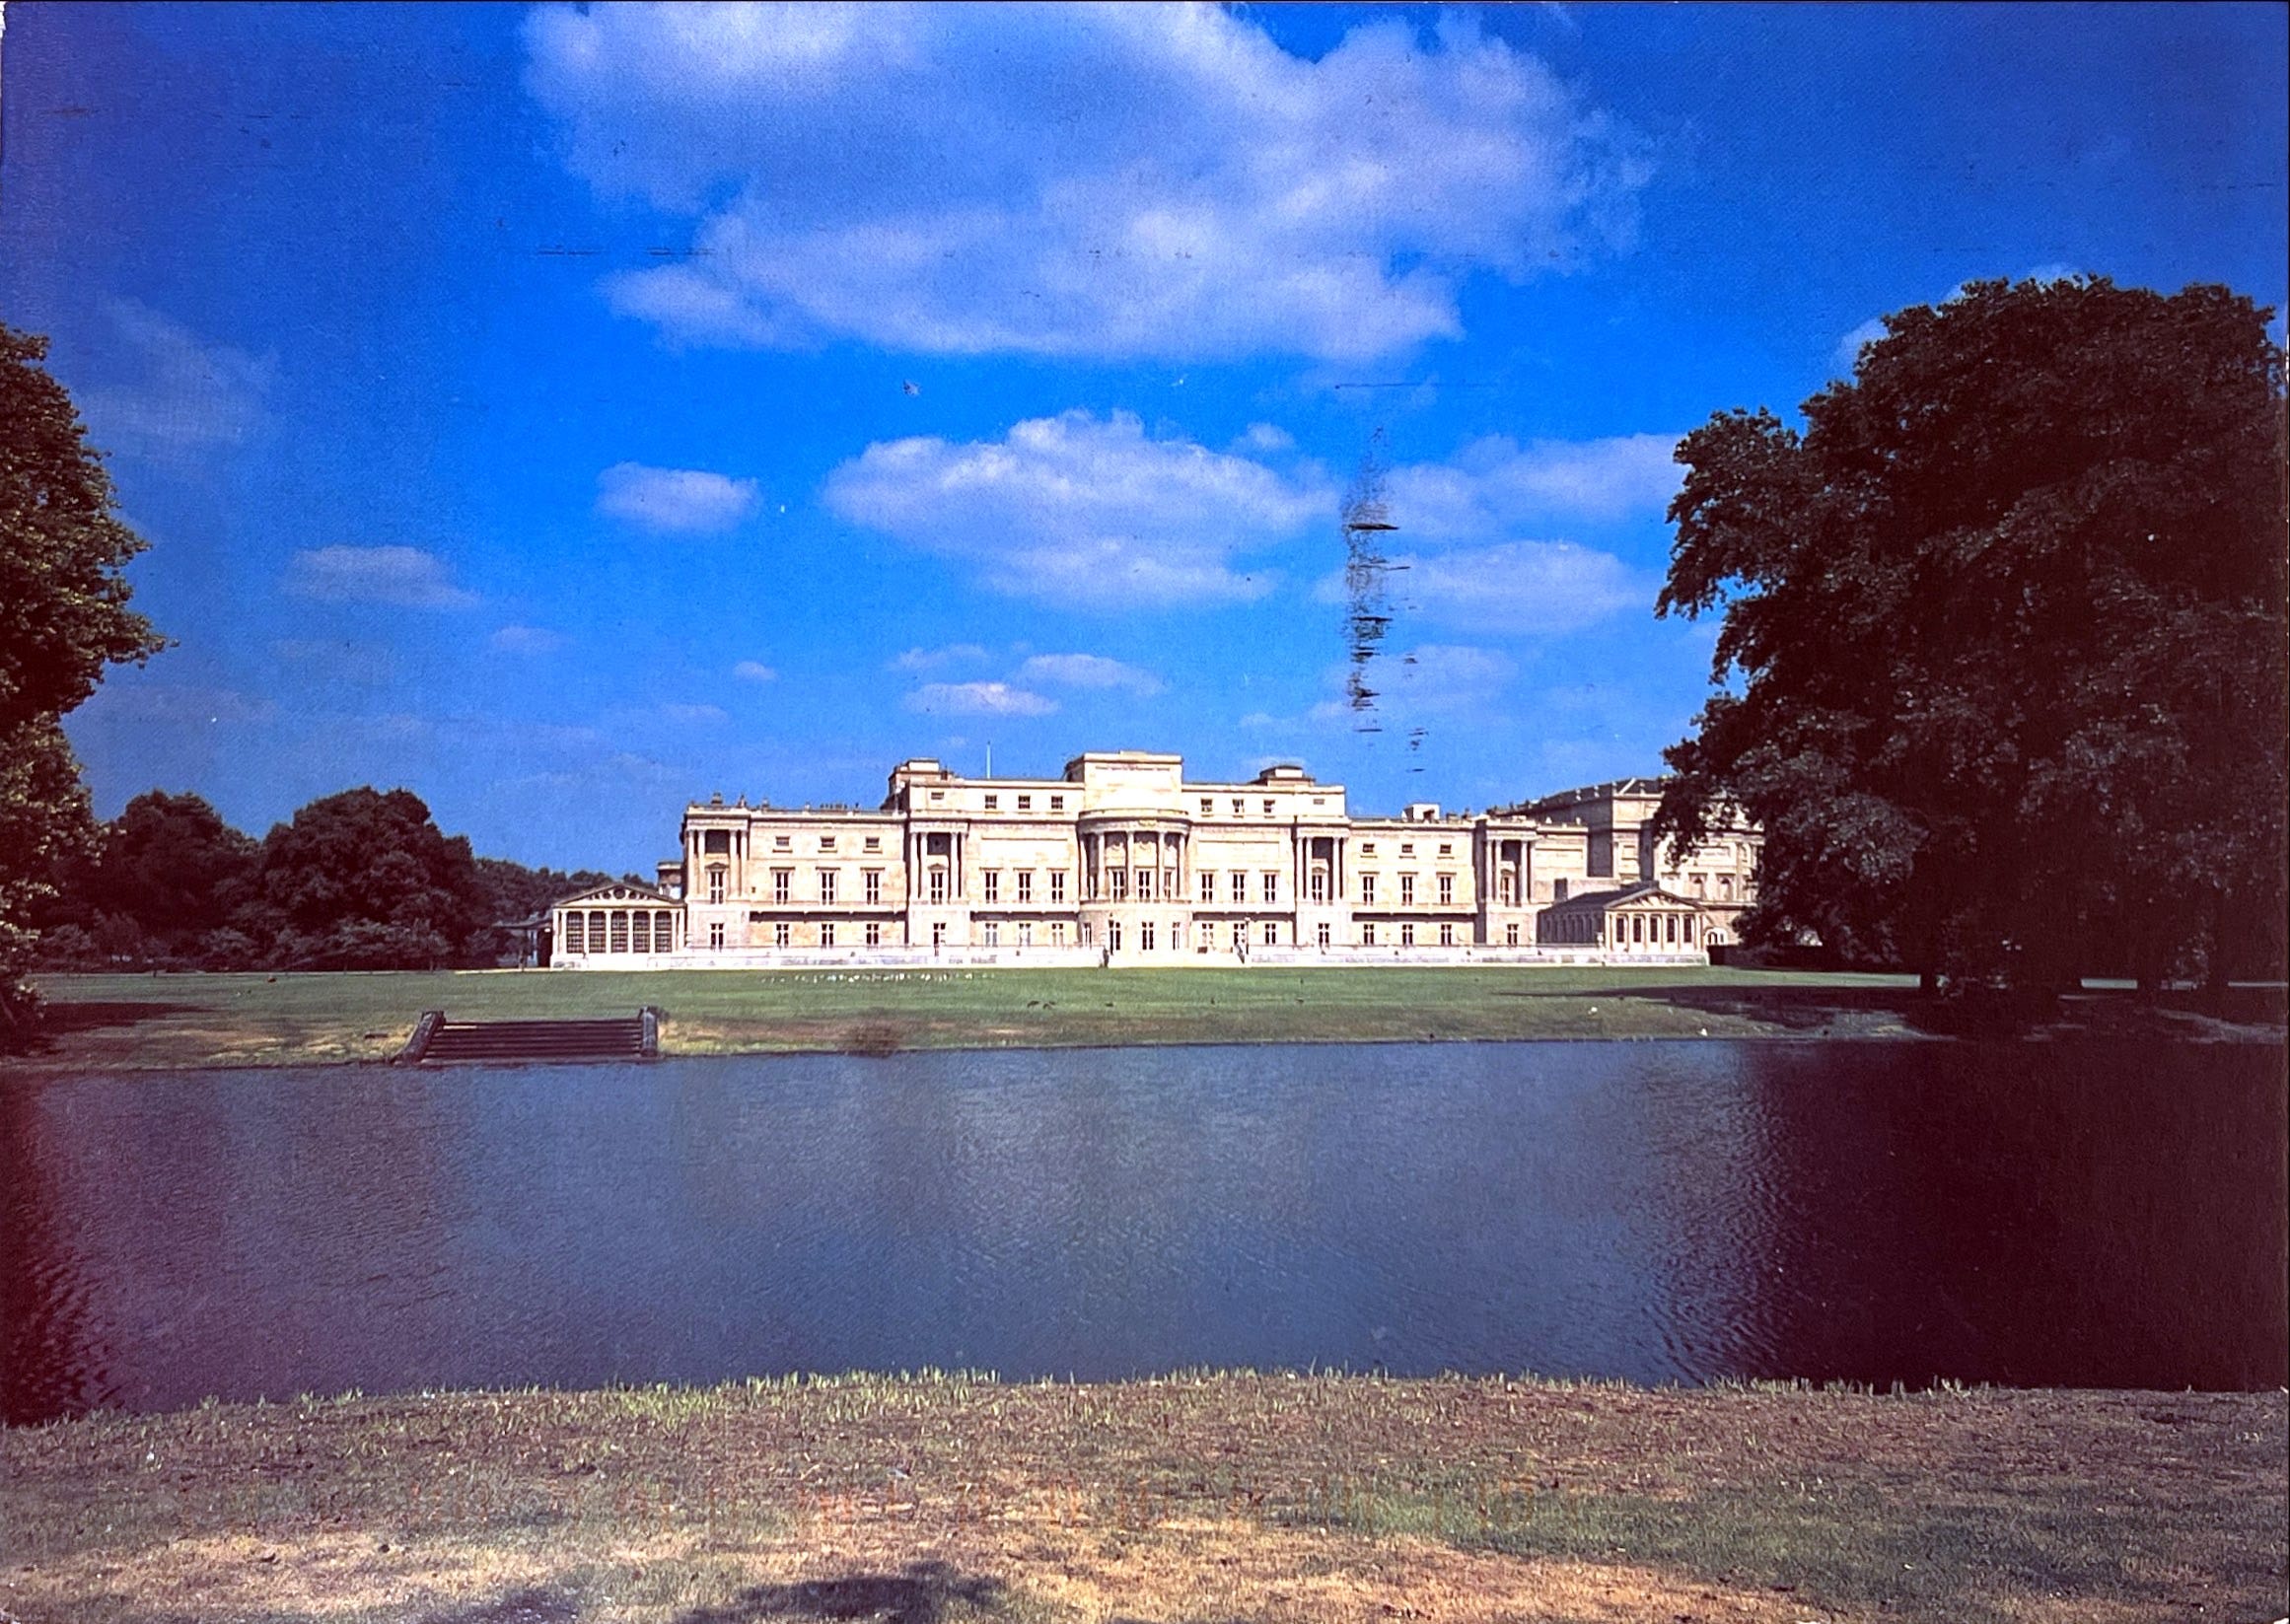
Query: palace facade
1122	861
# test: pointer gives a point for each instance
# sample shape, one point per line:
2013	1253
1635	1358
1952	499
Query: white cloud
1088	670
526	640
1849	348
755	671
190	394
1516	588
681	500
1081	513
978	699
403	577
1070	181
1432	679
1265	437
1495	485
930	660
690	714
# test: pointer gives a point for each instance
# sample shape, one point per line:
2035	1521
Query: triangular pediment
616	892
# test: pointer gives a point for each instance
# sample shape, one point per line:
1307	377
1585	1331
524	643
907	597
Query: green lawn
192	1019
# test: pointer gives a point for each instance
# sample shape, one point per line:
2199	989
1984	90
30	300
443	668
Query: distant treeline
360	880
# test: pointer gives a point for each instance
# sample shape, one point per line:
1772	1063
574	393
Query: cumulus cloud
402	576
1849	348
526	640
1088	670
688	501
930	660
1075	181
1520	588
978	699
1083	513
755	671
1495	485
189	394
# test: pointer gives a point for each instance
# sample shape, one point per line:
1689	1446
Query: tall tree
63	618
2003	662
364	880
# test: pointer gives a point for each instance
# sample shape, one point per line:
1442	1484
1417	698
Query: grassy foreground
943	1499
114	1022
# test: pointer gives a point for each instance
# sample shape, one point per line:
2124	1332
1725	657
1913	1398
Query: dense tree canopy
63	618
2003	662
365	881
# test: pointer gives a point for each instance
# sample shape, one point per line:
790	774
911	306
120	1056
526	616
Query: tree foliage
364	880
2002	668
63	618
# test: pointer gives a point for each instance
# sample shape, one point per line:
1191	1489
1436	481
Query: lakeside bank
1271	1496
178	1021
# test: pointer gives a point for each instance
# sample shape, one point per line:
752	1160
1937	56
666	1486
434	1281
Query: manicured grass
1206	1497
123	1021
103	1021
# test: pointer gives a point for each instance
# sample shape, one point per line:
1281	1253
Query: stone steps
438	1040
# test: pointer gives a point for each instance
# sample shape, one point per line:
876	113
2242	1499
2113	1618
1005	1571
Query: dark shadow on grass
1795	1006
921	1595
57	1017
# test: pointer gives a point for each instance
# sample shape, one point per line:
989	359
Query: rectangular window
1673	928
827	842
1508	887
937	931
716	934
1026	934
1267	806
992	879
715	884
1367	936
1559	891
619	932
1272	934
1447	934
1145	936
1057	885
782	934
1240	935
1208	806
874	933
1238	806
717	842
781	842
1240	885
1408	936
1024	884
1121	885
1113	936
871	881
1057	933
1323	936
1510	936
1320	888
664	933
1057	802
874	843
1446	888
1144	884
993	803
641	932
1208	885
1446	850
938	885
1725	886
782	885
576	935
993	934
826	933
1271	886
1407	890
828	883
1368	888
1026	802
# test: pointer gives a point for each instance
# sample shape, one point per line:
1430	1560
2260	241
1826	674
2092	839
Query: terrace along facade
1121	860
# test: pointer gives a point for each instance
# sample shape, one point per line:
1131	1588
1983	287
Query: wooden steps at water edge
439	1040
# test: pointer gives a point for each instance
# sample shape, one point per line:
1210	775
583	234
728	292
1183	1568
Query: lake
2100	1214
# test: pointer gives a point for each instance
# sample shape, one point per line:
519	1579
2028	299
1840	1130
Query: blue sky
565	414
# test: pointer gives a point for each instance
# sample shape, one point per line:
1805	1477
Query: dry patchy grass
943	1499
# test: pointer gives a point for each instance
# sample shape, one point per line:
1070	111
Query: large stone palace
1121	860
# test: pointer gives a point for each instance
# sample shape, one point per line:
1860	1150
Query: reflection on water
2040	1214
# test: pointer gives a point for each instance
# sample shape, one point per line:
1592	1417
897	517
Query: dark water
2089	1216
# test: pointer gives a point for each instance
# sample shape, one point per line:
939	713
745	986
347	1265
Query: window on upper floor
1272	886
993	803
782	885
1057	885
